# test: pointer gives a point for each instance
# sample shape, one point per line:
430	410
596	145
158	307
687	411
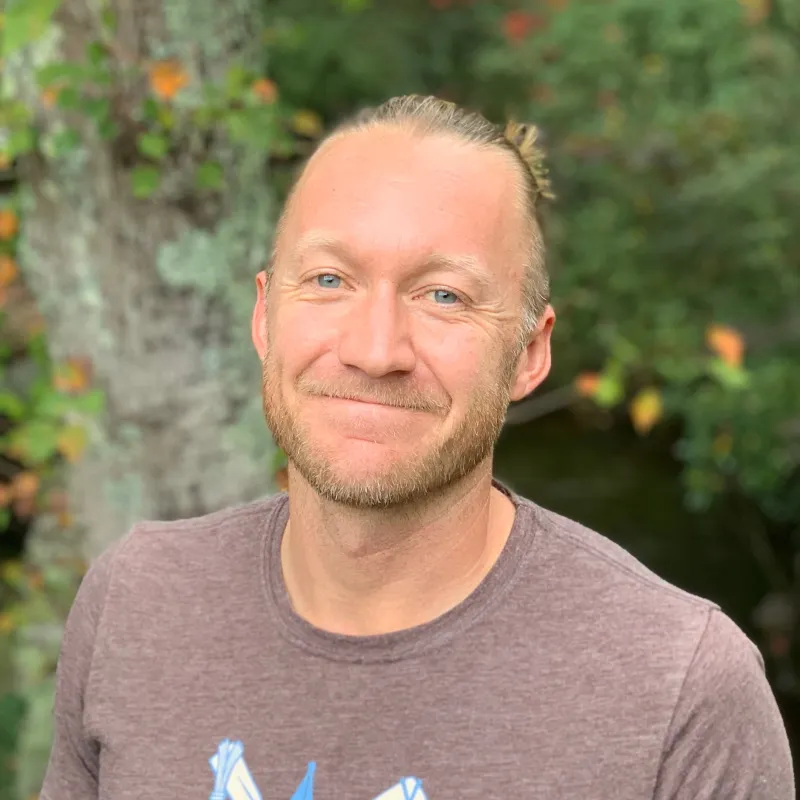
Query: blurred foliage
673	139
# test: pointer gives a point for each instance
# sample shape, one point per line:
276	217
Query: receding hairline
419	132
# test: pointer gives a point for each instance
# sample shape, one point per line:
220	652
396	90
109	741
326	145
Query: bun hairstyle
525	138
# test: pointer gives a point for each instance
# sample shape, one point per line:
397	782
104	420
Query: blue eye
328	281
445	297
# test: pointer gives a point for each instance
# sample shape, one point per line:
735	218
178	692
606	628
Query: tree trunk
155	293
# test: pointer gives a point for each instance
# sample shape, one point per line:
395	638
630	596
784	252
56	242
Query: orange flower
50	96
25	485
646	410
73	376
518	24
755	11
8	270
265	90
727	343
9	224
586	384
167	78
72	442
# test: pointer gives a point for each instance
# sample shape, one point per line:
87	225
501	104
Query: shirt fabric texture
572	671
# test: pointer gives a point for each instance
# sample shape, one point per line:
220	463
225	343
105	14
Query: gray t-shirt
571	672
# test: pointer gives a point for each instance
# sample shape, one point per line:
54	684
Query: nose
375	336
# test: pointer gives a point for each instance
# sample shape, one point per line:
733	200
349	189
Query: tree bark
157	295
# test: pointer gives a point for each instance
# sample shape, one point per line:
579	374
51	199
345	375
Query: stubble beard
446	461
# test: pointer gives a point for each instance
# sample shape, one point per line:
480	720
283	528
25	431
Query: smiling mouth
366	402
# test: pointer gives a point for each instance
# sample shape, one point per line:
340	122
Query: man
399	625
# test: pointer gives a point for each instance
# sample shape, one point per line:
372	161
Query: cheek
299	335
459	363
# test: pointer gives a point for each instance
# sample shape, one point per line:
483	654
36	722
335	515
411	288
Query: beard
441	463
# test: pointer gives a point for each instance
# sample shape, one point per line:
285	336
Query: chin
368	492
356	460
366	475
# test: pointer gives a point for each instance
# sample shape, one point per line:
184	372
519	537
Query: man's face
389	347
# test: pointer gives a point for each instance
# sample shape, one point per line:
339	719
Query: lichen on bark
157	294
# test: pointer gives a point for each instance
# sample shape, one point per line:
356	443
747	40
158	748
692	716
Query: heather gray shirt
571	672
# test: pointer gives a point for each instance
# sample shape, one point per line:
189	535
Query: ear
534	361
258	325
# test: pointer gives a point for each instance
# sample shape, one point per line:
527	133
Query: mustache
386	393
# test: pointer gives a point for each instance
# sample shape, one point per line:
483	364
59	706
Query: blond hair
431	115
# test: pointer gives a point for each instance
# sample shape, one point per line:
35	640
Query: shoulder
726	737
159	542
638	624
664	649
154	556
603	570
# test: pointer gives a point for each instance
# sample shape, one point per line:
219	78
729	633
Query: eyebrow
467	266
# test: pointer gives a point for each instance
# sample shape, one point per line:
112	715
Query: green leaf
5	519
153	146
236	80
150	109
731	377
107	129
37	441
25	21
10	405
21	141
205	116
609	390
69	99
93	402
53	405
145	181
109	20
279	460
60	73
97	108
63	142
209	175
96	53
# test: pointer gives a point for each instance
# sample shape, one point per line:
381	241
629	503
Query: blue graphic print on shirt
233	781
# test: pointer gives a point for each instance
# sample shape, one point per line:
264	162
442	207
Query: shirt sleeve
726	738
72	770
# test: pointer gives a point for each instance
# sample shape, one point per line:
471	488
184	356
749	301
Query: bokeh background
145	149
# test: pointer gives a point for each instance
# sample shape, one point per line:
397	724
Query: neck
366	572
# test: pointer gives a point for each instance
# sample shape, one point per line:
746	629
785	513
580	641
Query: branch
540	405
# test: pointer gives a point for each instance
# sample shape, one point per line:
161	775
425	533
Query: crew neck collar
398	645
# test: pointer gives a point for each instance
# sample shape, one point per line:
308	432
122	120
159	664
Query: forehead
390	193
